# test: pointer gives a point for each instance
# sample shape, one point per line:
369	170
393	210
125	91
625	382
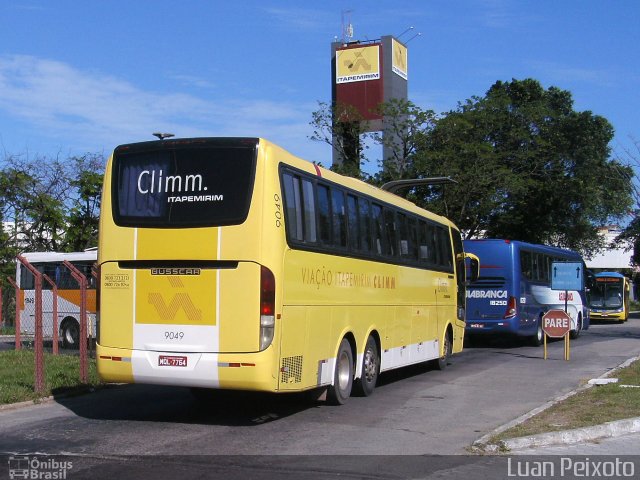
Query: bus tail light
97	279
512	308
267	306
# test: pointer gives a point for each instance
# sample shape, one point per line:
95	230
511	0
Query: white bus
68	316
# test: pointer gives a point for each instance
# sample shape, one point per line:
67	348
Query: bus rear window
173	185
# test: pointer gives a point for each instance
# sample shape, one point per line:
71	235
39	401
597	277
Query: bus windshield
606	293
187	184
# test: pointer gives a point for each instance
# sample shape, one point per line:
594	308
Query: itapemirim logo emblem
180	300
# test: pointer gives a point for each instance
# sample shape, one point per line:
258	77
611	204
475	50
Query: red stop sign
556	323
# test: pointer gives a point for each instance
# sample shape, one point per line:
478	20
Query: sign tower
365	74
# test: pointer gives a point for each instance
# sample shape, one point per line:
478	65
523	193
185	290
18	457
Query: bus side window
544	268
378	228
50	271
390	232
293	203
446	251
353	223
339	218
365	225
534	267
525	265
423	249
324	214
27	280
310	233
403	235
431	245
413	238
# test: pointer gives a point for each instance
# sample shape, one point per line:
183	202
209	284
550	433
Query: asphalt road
414	411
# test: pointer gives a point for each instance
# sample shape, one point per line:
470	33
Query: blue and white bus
513	291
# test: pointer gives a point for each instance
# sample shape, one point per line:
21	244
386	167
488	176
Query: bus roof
43	257
609	274
494	242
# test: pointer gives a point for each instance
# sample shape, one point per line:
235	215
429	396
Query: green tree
529	167
344	129
52	204
83	217
404	126
34	192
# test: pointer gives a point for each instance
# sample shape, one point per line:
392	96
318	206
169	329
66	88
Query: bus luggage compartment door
189	310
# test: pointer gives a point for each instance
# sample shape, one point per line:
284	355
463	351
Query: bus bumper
491	327
616	316
246	371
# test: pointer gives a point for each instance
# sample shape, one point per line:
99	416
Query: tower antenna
416	35
347	28
407	30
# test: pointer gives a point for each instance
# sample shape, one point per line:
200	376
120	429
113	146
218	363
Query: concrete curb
610	429
26	403
578	435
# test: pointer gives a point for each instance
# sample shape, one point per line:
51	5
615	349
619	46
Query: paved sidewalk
621	437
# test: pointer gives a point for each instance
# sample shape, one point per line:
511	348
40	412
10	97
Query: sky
85	76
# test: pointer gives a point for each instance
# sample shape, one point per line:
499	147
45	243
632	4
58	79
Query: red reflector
104	357
512	308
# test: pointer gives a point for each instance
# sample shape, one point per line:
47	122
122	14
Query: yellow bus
609	297
228	263
67	323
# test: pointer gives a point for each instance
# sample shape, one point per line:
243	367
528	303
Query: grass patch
593	406
62	375
6	330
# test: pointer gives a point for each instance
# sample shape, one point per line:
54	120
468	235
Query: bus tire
340	391
70	333
538	338
370	369
441	363
576	333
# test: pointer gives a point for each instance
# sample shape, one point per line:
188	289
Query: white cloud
89	108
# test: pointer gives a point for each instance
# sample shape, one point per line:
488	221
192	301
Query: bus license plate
172	361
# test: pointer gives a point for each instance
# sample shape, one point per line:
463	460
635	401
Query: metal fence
50	318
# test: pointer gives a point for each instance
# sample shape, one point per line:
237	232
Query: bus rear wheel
370	369
340	391
576	333
538	338
70	333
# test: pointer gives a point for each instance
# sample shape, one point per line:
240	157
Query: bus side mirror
474	267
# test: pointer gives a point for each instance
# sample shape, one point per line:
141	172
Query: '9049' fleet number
278	209
177	335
